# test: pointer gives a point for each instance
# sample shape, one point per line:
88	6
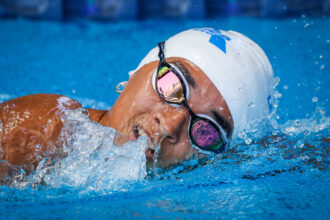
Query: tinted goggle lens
206	136
203	133
169	85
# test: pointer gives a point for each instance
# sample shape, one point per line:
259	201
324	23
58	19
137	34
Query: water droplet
297	123
276	82
322	67
321	56
274	57
274	133
315	99
285	87
300	145
221	108
277	116
318	158
248	141
316	62
327	41
306	133
303	16
306	25
73	91
277	95
251	105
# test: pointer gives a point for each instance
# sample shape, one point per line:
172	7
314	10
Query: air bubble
315	99
277	95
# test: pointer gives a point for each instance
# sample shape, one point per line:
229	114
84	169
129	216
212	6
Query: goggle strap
161	52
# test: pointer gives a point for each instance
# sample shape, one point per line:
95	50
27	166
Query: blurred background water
142	9
82	49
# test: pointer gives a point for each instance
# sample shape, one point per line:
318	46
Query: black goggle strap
161	54
163	68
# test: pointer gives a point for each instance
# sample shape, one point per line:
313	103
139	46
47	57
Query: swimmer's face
140	111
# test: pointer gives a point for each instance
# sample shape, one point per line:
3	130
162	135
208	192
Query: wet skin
140	106
35	119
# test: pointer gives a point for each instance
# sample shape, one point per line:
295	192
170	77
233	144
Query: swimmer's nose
172	122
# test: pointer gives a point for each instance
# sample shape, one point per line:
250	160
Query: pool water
280	170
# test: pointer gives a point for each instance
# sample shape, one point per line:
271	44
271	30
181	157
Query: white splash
92	161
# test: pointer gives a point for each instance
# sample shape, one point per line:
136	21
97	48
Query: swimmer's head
229	80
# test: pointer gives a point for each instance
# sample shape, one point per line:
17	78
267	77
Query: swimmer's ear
120	87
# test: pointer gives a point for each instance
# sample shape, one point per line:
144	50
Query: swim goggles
171	86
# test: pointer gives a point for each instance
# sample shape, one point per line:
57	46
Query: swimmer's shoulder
41	105
30	121
40	102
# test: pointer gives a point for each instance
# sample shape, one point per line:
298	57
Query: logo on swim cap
217	38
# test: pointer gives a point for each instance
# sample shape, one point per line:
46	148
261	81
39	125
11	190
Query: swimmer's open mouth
150	151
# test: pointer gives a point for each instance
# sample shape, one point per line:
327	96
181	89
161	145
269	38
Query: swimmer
191	95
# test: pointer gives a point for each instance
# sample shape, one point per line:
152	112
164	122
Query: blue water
280	171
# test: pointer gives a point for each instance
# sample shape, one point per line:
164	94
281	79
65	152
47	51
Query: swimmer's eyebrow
223	123
185	72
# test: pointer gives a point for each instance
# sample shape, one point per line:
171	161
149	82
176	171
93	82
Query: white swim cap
236	65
